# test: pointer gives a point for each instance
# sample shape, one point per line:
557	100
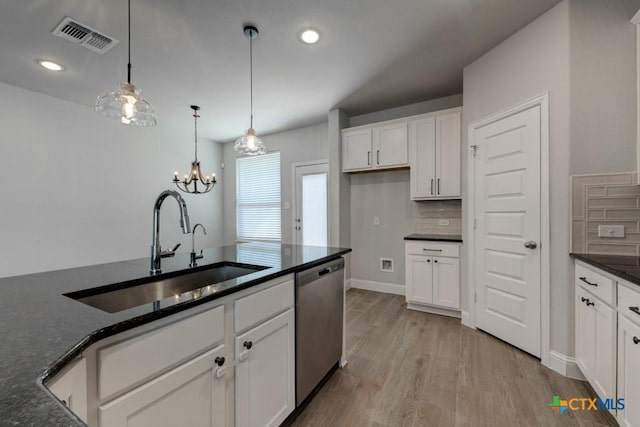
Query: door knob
530	244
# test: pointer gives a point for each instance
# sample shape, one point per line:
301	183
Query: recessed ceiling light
310	36
49	65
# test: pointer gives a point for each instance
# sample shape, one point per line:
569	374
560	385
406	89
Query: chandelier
206	183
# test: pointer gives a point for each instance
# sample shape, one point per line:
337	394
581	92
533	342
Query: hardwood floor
407	368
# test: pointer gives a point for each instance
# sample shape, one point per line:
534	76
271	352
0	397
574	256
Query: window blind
258	197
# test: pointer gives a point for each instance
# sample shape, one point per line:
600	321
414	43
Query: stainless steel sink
150	290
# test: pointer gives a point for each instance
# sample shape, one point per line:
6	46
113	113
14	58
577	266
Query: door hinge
475	223
474	148
475	296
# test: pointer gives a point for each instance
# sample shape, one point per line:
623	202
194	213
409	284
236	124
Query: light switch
376	220
611	231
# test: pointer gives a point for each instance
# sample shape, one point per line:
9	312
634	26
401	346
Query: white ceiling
373	54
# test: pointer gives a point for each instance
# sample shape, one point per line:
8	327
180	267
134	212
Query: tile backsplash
606	199
427	216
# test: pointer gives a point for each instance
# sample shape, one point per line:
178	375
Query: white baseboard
564	365
347	284
434	310
368	285
466	320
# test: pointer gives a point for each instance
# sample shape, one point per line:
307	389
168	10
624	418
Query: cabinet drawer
629	302
595	282
434	249
142	357
263	305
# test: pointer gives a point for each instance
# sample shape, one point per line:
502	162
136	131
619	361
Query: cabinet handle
584	279
428	260
435	260
635	309
247	345
590	303
219	360
432	250
438	185
378	156
583	299
368	158
636	340
432	186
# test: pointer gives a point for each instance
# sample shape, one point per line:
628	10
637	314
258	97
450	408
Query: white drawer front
595	282
262	305
629	302
433	249
136	359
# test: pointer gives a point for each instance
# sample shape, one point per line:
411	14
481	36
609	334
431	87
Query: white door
508	229
629	371
311	224
419	270
356	150
422	140
447	156
585	338
265	375
391	145
446	282
604	351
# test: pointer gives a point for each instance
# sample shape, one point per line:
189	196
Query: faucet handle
169	253
176	247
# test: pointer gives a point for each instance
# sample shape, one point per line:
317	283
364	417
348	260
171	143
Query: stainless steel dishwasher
319	316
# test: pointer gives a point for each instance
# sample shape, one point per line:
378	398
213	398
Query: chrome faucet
156	251
195	257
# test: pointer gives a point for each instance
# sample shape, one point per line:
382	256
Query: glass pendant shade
127	105
250	144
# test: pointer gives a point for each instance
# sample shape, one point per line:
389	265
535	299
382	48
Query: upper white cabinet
380	146
435	144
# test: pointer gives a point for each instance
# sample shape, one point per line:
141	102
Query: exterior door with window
311	204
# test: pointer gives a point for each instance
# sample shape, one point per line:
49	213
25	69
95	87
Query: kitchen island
44	330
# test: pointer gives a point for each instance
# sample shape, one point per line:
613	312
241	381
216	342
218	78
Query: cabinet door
356	150
70	387
448	161
391	145
265	376
189	395
422	140
604	349
419	271
629	372
585	329
446	282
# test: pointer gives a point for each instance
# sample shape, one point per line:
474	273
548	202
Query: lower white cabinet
432	275
193	394
629	371
70	386
595	342
265	373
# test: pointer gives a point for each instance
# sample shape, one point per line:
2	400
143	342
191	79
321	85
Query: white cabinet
265	375
432	275
70	386
629	354
435	144
193	394
380	146
595	333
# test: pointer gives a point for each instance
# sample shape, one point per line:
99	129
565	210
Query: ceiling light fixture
310	36
50	65
196	173
250	144
125	103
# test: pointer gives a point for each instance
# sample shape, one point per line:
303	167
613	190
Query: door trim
294	200
469	315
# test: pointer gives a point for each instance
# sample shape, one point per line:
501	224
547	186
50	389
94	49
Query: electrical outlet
611	231
376	220
443	222
386	264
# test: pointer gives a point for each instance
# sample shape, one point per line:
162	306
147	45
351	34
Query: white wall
298	145
79	189
533	61
603	79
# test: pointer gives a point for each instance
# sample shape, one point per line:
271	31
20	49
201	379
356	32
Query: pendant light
196	174
250	144
125	103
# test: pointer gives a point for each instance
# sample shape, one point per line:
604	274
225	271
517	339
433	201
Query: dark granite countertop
42	329
435	237
623	266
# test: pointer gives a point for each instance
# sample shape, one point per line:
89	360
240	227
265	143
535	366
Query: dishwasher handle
324	271
320	272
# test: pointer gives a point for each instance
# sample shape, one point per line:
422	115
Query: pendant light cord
195	125
129	29
250	73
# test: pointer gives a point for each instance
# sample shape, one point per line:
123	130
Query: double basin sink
125	295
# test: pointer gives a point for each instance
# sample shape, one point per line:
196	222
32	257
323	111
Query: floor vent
84	35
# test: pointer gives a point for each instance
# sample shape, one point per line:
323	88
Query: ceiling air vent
84	35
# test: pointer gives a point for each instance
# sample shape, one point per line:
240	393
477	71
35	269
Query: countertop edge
134	322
